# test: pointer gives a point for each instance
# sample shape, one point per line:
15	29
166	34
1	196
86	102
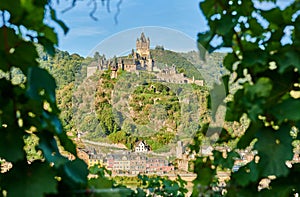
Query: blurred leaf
39	80
247	174
48	145
35	179
286	110
11	144
229	60
273	162
76	171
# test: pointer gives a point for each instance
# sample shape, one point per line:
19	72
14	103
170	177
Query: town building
141	147
158	166
136	163
182	157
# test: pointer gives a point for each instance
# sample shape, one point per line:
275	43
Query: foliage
160	186
102	183
103	106
28	107
263	62
155	98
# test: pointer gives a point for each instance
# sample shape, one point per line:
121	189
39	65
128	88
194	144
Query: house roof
140	141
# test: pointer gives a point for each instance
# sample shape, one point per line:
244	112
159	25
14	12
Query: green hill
87	106
164	57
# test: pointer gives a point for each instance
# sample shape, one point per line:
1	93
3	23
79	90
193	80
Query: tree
264	61
28	107
32	137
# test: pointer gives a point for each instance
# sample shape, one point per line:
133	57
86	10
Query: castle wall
91	70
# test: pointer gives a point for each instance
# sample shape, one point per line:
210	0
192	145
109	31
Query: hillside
157	111
211	69
150	111
163	57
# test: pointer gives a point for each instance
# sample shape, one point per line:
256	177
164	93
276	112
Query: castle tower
114	70
179	150
143	46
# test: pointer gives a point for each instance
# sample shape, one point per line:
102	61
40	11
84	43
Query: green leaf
24	55
67	143
246	174
227	162
259	63
249	135
40	80
274	149
205	174
27	180
48	145
204	39
225	25
11	140
49	33
255	27
288	59
287	110
47	44
11	144
76	172
274	16
8	40
262	88
229	60
101	183
206	7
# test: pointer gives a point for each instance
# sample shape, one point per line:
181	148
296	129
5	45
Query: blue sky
85	33
178	15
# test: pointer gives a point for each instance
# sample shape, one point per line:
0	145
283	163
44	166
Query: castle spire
143	38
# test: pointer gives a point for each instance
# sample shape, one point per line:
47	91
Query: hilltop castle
138	60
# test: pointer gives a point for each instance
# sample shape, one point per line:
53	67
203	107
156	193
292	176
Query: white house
141	146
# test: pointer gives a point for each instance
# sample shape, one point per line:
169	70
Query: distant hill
164	57
211	69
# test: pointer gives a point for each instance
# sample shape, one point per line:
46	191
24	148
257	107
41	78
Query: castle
138	60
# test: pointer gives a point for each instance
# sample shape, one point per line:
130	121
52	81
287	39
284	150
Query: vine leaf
274	149
76	171
39	80
286	110
246	174
35	179
11	144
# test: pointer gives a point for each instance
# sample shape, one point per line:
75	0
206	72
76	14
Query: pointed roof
143	38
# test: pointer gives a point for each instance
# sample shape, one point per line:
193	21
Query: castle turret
143	46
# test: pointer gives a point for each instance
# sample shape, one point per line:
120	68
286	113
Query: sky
170	16
172	23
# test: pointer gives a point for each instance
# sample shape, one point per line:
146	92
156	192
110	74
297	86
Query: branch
118	11
93	10
69	8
